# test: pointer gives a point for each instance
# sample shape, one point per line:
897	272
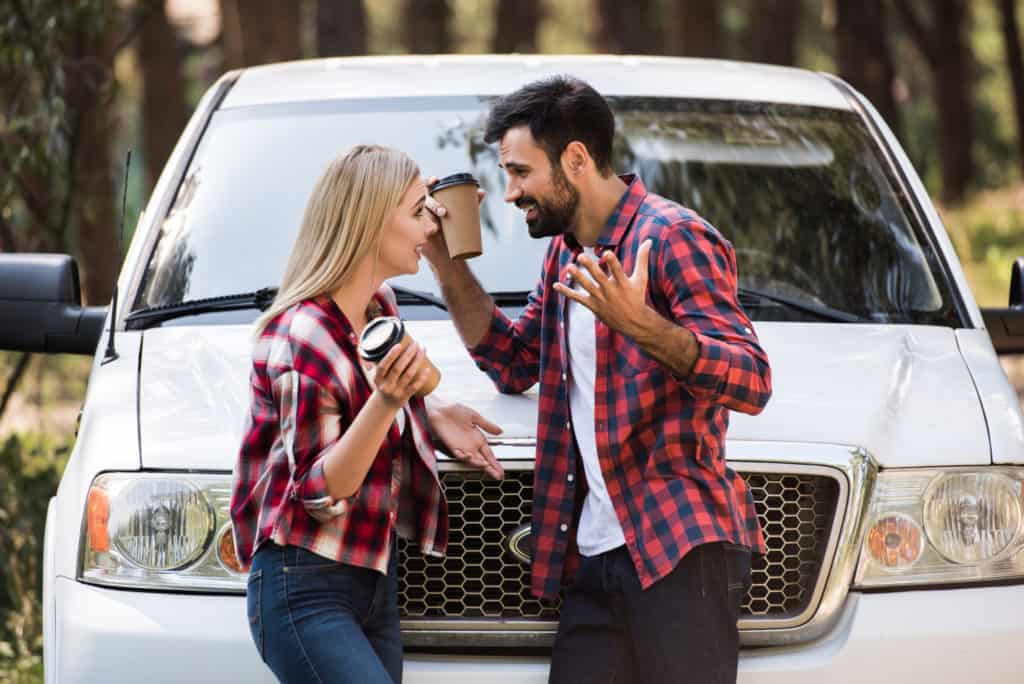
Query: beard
554	216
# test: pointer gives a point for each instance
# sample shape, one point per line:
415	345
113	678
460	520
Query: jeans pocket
253	605
738	567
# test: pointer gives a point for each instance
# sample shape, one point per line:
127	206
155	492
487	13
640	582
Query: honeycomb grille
480	579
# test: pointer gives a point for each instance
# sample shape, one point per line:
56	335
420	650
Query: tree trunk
1011	43
772	30
945	47
340	28
426	27
164	112
865	60
516	27
629	28
696	30
259	31
91	209
953	88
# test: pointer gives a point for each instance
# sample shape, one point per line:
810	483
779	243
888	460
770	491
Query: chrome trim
514	544
855	477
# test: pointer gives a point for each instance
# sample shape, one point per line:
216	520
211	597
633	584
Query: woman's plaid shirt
306	388
660	438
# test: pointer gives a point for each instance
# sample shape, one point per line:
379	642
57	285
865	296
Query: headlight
160	531
941	526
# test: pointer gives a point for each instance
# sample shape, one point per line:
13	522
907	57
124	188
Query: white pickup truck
886	469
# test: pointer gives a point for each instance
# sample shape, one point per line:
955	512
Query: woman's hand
401	374
459	428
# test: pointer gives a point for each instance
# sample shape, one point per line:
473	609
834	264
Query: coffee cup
380	335
457	193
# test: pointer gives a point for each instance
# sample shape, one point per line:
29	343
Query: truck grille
480	579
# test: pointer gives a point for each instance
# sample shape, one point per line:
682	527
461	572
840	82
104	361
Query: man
640	348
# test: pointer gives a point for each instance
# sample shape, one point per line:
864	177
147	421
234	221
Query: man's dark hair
558	110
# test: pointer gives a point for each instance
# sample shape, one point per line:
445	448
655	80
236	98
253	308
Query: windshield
800	193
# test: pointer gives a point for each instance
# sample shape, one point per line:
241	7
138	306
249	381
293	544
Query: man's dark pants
681	629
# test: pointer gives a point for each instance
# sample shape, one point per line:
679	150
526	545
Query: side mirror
1006	326
41	306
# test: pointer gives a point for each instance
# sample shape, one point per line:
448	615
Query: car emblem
518	544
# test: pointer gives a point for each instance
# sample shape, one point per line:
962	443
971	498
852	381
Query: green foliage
30	470
52	79
988	233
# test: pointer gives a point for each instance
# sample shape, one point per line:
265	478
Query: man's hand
618	300
459	427
436	249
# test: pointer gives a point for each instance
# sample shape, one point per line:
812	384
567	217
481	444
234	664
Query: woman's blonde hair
342	223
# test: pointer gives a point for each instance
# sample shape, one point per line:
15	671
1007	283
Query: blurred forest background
83	81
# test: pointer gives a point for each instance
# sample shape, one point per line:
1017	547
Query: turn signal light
97	515
895	541
226	550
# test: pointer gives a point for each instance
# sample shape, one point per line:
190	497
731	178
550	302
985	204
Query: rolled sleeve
312	492
697	270
310	424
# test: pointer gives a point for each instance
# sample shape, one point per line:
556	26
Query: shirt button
563	527
570	477
563	377
568	425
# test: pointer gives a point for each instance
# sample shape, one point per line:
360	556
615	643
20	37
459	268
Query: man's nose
512	192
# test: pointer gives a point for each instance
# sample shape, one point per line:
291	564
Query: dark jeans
681	629
314	620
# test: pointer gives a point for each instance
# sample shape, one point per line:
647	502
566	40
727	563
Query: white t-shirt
599	528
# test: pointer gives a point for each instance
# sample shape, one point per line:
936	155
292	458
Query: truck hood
903	393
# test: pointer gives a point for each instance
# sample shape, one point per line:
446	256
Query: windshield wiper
824	312
404	294
147	318
511	298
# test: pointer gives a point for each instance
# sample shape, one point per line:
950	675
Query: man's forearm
470	306
673	345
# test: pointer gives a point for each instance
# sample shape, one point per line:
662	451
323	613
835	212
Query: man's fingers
569	293
614	267
592	267
435	207
586	282
642	256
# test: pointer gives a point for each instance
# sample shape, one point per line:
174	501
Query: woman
337	458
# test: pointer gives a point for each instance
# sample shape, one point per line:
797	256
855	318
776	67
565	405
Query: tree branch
13	380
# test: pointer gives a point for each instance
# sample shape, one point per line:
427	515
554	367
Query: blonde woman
336	458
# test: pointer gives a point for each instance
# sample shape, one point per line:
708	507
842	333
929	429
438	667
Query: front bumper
953	635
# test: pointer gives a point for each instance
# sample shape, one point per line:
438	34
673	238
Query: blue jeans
316	620
681	629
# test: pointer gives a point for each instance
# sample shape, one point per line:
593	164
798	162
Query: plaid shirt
660	438
306	388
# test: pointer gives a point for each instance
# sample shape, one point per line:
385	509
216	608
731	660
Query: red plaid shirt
660	438
306	389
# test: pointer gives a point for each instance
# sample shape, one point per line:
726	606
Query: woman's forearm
349	459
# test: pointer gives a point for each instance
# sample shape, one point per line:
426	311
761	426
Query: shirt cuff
312	493
711	368
498	333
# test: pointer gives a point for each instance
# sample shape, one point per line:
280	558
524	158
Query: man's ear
575	158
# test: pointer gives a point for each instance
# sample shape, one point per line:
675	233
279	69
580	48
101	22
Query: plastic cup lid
454	179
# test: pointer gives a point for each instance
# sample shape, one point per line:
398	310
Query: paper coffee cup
380	335
461	223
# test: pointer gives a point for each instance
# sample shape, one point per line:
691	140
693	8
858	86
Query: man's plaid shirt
660	438
306	388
